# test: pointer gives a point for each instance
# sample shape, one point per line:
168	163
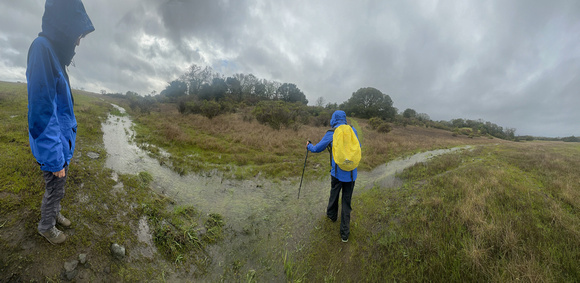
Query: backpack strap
329	148
351	172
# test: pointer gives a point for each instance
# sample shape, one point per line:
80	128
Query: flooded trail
385	174
263	218
234	199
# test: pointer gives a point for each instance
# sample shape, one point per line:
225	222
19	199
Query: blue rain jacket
52	124
338	118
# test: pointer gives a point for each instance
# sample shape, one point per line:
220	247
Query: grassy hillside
499	213
238	144
502	211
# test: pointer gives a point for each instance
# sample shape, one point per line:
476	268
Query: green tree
196	77
370	102
291	93
409	113
175	89
205	92
423	117
219	88
234	88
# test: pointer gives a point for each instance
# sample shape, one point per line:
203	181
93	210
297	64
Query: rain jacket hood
63	23
338	118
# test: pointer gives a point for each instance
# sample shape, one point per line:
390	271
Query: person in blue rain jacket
51	120
340	179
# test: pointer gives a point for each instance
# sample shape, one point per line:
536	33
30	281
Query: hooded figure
52	124
340	179
51	120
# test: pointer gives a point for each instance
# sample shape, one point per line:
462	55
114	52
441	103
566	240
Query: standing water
236	200
263	218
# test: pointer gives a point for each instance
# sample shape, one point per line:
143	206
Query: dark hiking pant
53	194
332	210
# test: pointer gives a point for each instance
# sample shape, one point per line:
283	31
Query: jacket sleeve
322	144
43	124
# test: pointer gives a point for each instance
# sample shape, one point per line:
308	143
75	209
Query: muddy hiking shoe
54	236
60	219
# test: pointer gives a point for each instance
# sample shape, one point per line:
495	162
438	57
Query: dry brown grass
252	142
234	139
379	147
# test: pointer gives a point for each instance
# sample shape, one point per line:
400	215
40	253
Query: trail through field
264	219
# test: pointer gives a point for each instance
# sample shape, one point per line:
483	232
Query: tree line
200	84
203	91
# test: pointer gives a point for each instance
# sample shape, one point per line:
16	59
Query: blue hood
338	118
63	22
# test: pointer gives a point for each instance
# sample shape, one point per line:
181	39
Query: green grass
101	214
496	214
502	212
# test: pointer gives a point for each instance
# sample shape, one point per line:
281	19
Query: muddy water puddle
263	218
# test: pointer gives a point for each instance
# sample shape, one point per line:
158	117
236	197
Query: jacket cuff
52	168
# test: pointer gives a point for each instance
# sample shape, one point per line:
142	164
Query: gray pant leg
53	194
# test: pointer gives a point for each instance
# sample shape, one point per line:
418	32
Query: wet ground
264	219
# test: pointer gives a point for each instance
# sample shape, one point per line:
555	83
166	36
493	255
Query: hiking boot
344	240
60	219
331	219
54	236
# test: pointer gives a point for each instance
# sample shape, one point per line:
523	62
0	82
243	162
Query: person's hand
307	142
59	174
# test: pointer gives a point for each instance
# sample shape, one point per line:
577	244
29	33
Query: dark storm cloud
204	19
514	63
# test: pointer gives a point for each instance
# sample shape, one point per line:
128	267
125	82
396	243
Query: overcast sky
513	63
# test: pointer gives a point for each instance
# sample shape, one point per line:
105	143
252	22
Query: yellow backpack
345	148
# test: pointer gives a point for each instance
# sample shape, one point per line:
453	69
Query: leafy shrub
272	113
210	108
279	113
384	128
465	131
321	119
140	103
375	122
380	125
188	106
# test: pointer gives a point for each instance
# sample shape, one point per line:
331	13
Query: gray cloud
514	63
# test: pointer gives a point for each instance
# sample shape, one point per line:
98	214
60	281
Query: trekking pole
303	172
